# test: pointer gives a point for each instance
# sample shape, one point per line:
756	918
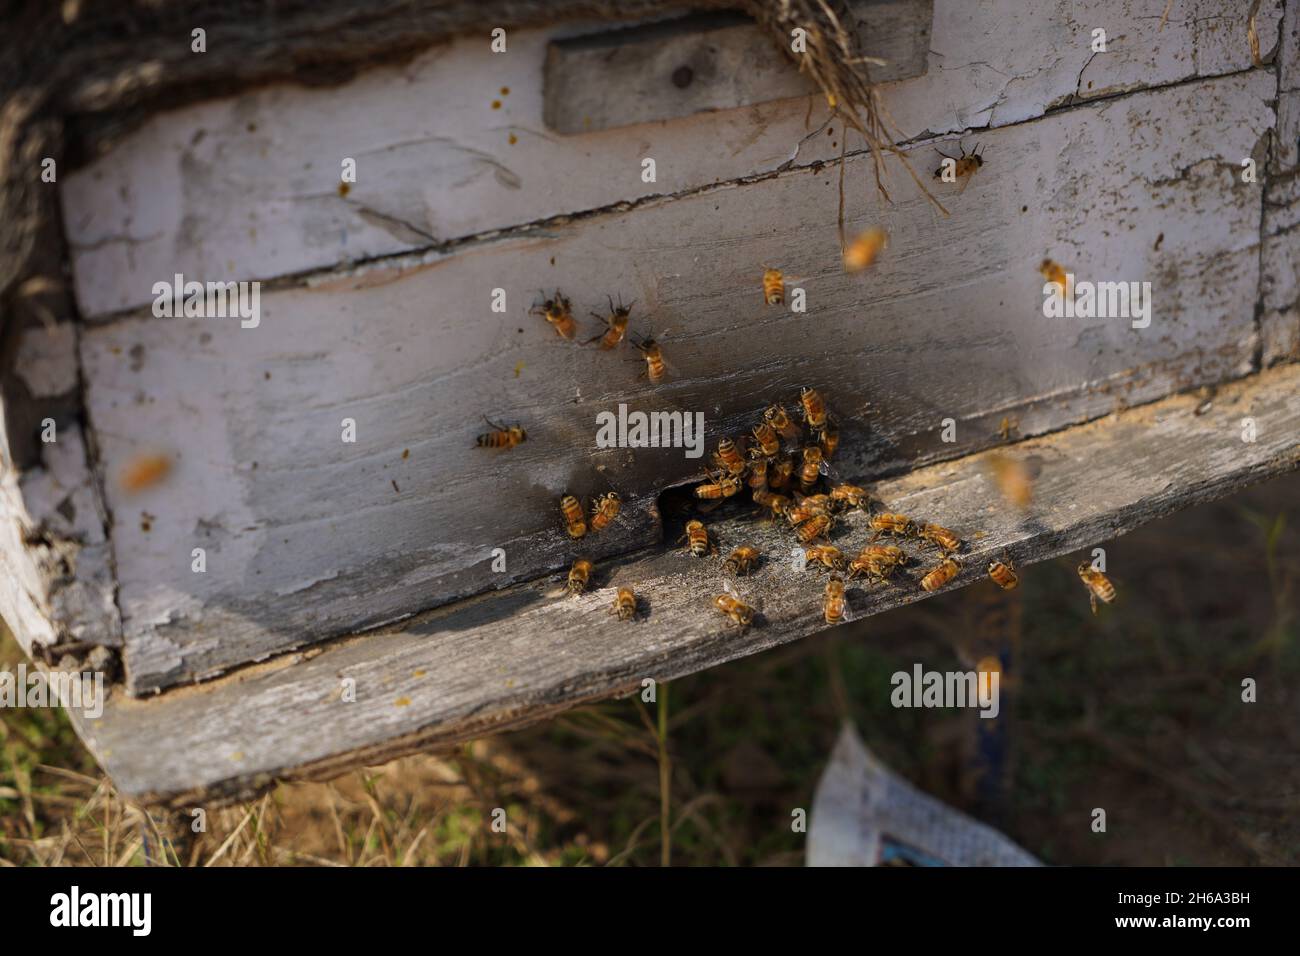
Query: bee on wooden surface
771	501
813	408
773	287
739	613
501	436
616	323
574	520
697	538
604	510
741	561
1007	426
940	574
964	167
1004	574
757	477
849	496
863	250
833	600
808	507
811	468
887	522
830	438
1098	585
938	536
778	418
624	605
818	526
724	487
144	471
559	312
579	575
1054	273
1013	478
780	472
877	562
767	443
729	459
826	555
655	369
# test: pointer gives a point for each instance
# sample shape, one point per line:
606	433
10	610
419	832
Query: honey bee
574	520
559	312
814	409
827	555
624	604
780	472
697	538
654	360
742	560
1098	585
728	458
808	507
964	166
940	574
1007	426
849	496
770	500
1054	273
757	474
830	439
1013	479
616	322
773	287
940	537
767	443
740	613
811	469
775	415
833	600
877	562
1004	574
724	487
889	523
604	510
579	575
862	251
144	471
501	436
818	526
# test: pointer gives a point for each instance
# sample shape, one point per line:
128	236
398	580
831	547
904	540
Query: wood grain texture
720	61
247	186
1280	257
309	538
508	658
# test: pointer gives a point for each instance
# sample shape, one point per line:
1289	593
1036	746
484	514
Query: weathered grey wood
1280	255
307	538
718	61
505	659
247	187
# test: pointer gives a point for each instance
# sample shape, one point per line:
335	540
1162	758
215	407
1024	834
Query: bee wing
965	181
828	470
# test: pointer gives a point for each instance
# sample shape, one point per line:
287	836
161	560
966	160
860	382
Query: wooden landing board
508	658
246	187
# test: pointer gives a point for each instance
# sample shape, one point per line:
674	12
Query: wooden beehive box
482	177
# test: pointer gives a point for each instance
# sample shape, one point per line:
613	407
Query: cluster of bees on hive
788	476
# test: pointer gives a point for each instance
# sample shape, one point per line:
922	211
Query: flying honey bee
863	250
827	555
1004	574
740	613
741	561
697	538
877	562
559	312
574	520
771	501
579	575
940	574
616	322
144	471
773	287
938	536
729	459
818	526
724	487
501	436
830	439
776	416
964	167
655	369
767	444
833	600
604	510
1013	478
890	523
1054	273
849	496
1098	585
811	469
624	605
780	472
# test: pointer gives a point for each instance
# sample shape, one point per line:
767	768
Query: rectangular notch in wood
713	61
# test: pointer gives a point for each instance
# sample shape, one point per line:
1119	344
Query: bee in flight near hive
616	322
1004	574
818	526
579	575
624	605
501	436
655	367
604	510
143	472
1098	585
729	459
877	562
964	167
741	561
1054	273
849	496
887	522
941	538
833	600
559	312
724	487
813	408
575	522
697	538
776	416
826	555
773	287
767	443
863	250
1013	478
736	610
941	574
